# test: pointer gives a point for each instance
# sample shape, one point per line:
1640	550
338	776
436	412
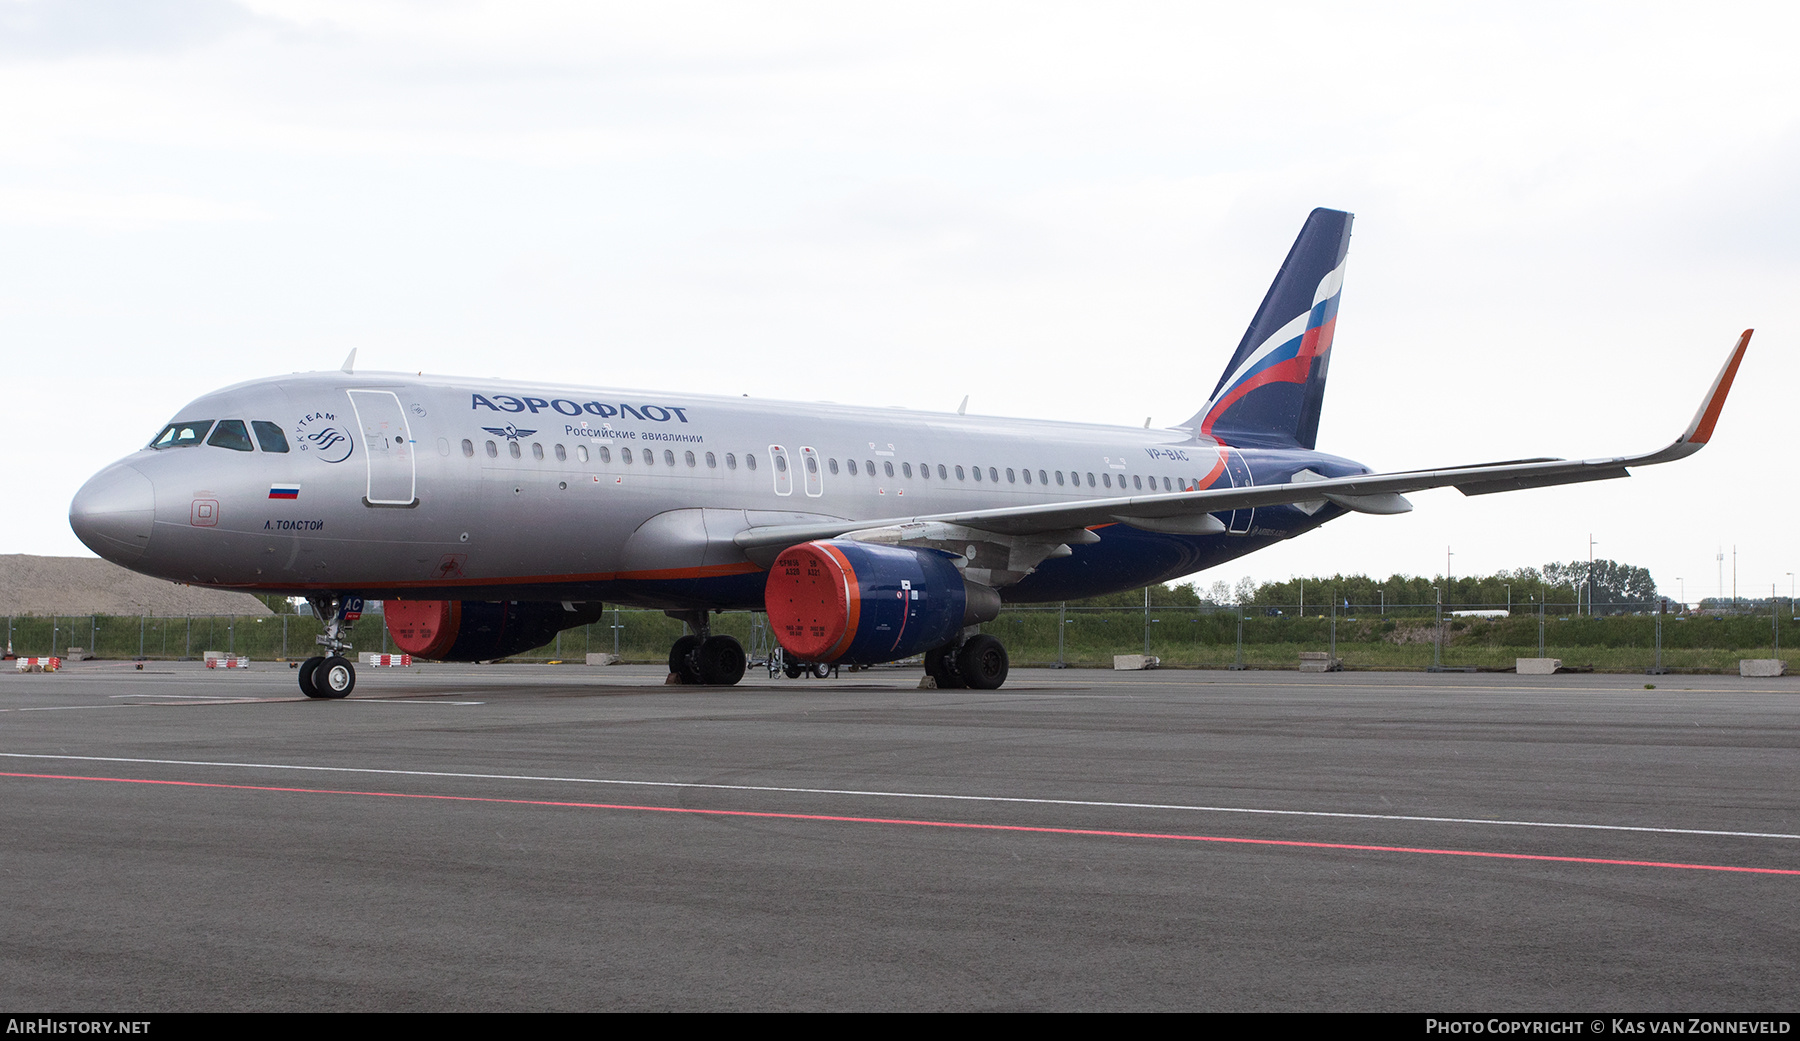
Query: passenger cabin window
730	460
690	459
831	464
1059	478
182	435
976	470
869	464
625	456
562	454
887	467
606	455
491	450
537	451
468	448
943	475
269	436
750	460
581	453
712	461
906	468
512	449
231	434
851	463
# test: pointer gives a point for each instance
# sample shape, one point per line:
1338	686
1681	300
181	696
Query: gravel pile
88	585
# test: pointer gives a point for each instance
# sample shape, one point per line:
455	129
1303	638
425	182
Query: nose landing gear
331	675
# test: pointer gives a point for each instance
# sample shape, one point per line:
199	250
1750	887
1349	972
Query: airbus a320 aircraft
491	515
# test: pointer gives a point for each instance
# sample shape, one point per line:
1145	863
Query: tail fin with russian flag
1272	391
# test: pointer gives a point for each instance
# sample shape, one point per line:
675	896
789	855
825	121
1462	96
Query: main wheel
334	678
681	659
940	665
792	670
721	661
982	663
307	668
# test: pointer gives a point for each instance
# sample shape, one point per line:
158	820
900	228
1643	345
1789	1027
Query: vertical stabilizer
1272	391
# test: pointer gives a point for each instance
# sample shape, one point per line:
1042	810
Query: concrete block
602	659
1320	661
1131	662
1762	667
1537	666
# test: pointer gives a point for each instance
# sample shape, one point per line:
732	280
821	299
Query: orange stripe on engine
852	601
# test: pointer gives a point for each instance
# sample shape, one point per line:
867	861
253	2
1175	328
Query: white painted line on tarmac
860	793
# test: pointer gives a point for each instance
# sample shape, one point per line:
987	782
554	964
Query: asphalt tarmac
563	837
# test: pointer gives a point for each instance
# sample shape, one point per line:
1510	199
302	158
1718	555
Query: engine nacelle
859	603
480	630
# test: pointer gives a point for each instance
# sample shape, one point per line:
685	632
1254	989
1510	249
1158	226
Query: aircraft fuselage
419	487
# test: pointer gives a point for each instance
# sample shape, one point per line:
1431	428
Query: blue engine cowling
859	603
479	630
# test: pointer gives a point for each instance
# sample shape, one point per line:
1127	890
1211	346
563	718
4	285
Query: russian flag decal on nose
284	491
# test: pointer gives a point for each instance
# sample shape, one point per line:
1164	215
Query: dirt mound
88	585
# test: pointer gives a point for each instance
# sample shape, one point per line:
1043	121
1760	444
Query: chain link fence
1390	636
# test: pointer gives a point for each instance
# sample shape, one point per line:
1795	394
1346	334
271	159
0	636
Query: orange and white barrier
39	664
226	661
389	660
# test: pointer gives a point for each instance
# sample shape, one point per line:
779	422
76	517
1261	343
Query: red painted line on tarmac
963	825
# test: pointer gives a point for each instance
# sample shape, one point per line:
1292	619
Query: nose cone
113	513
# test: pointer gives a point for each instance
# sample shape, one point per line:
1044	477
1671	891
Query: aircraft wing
1189	511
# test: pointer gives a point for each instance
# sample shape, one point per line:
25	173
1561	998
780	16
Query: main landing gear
330	675
703	659
979	663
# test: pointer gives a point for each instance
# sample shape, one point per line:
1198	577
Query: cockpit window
230	433
182	435
272	439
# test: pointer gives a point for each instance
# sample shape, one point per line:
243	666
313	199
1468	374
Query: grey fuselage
396	486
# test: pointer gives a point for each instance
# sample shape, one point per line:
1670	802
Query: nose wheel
327	678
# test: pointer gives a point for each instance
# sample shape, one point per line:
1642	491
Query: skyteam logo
1286	356
321	435
510	432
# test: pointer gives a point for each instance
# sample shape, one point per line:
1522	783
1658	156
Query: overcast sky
1565	215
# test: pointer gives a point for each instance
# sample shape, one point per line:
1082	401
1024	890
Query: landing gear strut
330	675
978	662
702	659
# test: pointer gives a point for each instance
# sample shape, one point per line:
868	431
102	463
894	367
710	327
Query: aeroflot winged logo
510	432
571	407
321	435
